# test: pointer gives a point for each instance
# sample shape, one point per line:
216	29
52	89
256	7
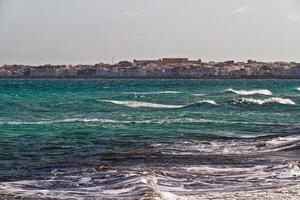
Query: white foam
68	120
151	181
232	147
298	88
198	95
281	140
175	182
267	101
250	92
142	121
138	104
212	102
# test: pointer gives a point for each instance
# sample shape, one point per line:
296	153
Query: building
295	71
42	71
205	71
174	60
91	72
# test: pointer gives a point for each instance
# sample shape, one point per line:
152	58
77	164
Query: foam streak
250	92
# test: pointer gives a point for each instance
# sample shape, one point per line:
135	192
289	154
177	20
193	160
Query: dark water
147	139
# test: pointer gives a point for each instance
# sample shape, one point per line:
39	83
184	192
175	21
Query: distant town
165	68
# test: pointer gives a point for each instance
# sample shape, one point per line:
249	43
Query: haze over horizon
91	31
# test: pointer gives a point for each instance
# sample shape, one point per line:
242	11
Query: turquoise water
137	138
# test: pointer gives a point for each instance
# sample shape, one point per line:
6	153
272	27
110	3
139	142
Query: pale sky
90	31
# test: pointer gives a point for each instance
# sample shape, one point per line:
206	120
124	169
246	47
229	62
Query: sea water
148	139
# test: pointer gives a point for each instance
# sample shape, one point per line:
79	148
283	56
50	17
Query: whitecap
298	88
294	168
273	100
208	101
250	92
138	104
231	147
198	95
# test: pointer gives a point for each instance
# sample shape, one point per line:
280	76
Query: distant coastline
146	78
165	68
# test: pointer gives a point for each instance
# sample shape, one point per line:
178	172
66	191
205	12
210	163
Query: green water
48	125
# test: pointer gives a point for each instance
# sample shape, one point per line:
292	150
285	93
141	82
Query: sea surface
149	139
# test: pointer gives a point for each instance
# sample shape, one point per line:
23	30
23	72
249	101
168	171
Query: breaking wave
250	92
278	144
298	88
208	101
274	100
198	95
138	104
196	176
176	183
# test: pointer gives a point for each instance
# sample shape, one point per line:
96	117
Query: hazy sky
90	31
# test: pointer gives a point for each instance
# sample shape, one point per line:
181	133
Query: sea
149	139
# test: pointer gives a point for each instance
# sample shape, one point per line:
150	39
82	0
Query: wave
180	182
250	92
69	120
208	101
198	95
201	181
138	104
162	92
274	100
144	121
283	143
278	144
298	88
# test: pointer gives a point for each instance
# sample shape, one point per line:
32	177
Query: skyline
71	32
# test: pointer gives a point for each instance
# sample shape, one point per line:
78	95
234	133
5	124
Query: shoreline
147	78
